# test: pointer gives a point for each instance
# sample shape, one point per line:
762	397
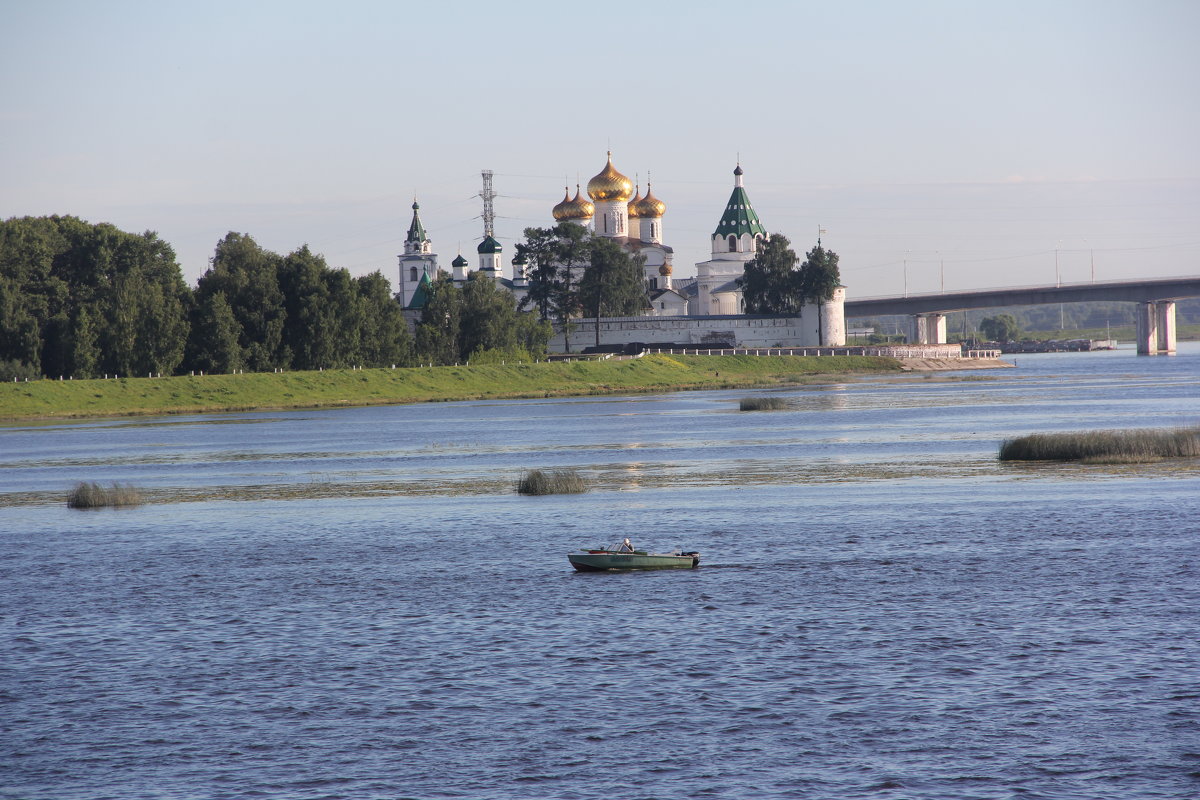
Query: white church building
706	310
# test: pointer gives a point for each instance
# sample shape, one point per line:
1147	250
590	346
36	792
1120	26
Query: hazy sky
974	141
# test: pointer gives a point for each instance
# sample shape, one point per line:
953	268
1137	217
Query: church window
412	273
732	243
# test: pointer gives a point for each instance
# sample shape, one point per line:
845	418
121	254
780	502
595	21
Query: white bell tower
418	259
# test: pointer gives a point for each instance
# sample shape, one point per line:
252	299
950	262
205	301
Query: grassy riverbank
209	393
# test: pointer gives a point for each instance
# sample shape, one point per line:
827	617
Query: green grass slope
178	395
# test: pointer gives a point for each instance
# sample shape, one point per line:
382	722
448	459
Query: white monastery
705	310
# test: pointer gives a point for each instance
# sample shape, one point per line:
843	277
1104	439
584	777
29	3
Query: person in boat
626	546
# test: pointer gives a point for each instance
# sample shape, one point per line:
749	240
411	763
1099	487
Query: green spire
739	217
416	231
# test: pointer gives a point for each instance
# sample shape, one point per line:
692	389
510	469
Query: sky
941	146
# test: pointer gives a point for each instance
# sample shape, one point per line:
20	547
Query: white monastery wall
758	331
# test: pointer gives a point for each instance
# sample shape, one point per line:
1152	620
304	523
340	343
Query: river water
355	603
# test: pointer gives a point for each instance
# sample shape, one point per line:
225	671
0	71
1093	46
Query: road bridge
1155	314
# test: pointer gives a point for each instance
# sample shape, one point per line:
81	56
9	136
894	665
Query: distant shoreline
71	399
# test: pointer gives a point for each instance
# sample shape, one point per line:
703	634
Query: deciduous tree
214	345
1000	328
306	328
249	277
85	352
385	339
441	319
769	283
489	317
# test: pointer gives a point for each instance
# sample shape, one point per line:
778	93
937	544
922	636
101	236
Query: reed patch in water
92	495
1137	446
764	404
558	481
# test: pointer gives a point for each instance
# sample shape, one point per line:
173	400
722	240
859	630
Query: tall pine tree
614	282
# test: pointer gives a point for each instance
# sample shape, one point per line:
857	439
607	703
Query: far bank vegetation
1105	447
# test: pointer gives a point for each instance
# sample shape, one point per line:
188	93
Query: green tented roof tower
740	229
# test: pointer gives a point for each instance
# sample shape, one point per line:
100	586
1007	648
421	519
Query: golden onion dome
649	206
581	208
562	210
633	205
610	184
664	270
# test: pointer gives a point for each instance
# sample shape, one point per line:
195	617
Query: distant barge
1055	346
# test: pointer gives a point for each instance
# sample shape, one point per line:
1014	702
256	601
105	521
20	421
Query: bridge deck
1143	291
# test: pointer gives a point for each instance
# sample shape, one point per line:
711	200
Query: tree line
86	300
81	299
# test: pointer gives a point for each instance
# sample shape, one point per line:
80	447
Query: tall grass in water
93	495
559	481
1104	447
764	404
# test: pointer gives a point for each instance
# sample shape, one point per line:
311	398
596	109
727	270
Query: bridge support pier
1156	327
927	329
1166	326
1146	329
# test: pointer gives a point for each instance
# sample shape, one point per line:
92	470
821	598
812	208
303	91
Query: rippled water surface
355	603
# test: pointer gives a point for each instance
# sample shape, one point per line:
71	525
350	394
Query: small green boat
626	558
